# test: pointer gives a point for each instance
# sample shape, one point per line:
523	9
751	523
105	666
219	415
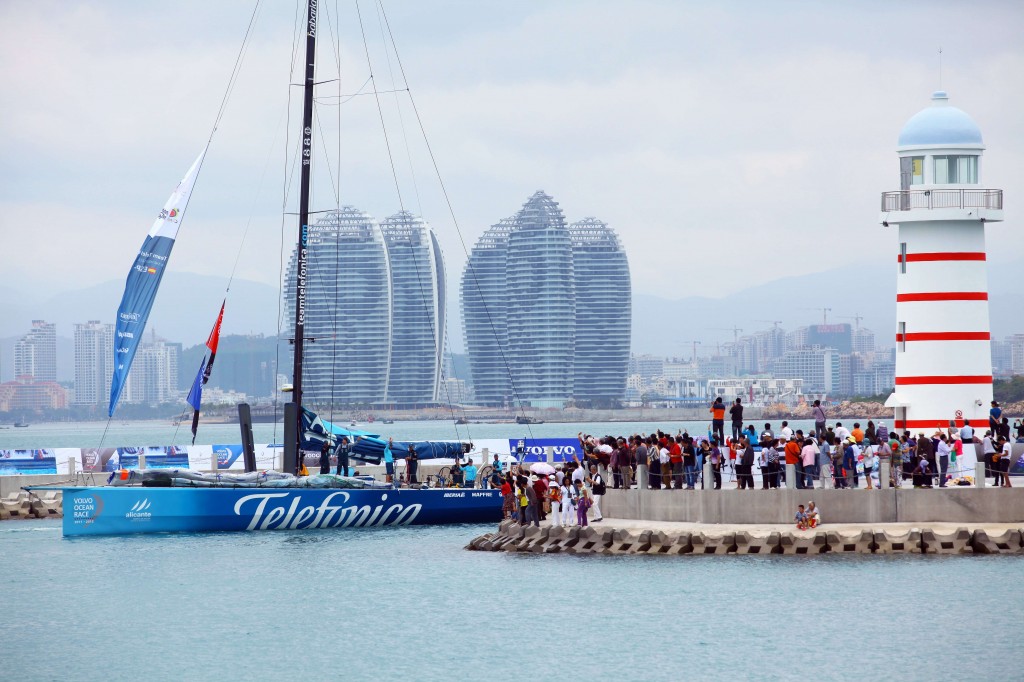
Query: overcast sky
726	143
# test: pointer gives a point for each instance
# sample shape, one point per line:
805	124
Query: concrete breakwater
42	504
617	537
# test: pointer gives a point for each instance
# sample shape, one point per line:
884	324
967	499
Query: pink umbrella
542	468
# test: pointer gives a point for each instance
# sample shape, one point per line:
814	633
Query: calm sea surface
411	604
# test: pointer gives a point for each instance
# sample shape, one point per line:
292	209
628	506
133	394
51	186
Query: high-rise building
863	340
1016	345
534	320
541	315
418	304
484	308
94	362
348	311
818	367
375	311
153	378
35	354
603	313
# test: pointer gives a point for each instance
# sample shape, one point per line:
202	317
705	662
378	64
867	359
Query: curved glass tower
348	311
418	310
603	313
484	299
541	316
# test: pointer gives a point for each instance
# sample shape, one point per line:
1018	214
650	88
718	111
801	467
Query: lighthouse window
917	170
901	337
956	170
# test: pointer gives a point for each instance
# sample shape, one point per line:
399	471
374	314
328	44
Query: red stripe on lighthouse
947	379
942	256
907	424
943	296
944	336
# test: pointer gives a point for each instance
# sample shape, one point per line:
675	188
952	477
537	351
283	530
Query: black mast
301	265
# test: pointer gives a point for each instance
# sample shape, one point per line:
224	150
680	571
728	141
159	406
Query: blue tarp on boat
369	447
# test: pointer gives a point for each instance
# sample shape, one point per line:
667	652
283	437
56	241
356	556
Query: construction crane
824	313
775	323
736	331
695	344
856	318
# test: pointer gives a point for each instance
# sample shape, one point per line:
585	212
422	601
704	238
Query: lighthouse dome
940	125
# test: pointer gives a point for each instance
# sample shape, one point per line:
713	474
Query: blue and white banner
535	449
144	279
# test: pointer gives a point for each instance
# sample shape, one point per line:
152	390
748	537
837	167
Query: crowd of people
566	496
833	456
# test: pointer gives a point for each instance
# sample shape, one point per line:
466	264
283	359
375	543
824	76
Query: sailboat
183	501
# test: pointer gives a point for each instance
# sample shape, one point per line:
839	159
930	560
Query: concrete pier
632	537
961	504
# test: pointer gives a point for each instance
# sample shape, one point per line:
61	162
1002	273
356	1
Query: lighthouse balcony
914	205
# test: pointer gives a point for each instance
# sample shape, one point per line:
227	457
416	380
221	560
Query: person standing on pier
584	500
597	491
994	418
736	412
746	474
718	419
942	451
819	420
568	494
555	498
792	450
716	458
1006	451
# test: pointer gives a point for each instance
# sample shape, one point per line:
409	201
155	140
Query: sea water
412	604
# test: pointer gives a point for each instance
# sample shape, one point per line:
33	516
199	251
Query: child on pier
801	518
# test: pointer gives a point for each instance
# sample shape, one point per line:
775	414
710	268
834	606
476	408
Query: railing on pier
906	200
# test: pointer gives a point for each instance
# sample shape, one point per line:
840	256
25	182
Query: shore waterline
146	433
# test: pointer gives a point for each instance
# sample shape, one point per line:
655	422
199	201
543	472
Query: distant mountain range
188	303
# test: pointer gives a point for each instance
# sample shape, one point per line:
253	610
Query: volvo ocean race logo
129	317
86	509
139	511
270	511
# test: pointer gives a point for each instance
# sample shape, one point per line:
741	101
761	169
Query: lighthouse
943	340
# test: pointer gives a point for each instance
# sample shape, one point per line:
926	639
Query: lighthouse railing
906	200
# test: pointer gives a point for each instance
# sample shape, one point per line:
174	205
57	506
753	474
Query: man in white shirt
786	432
842	432
1005	458
967	432
597	490
942	458
987	450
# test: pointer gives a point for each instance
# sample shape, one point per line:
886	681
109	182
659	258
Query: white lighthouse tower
943	344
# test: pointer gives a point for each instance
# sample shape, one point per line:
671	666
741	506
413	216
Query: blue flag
143	281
